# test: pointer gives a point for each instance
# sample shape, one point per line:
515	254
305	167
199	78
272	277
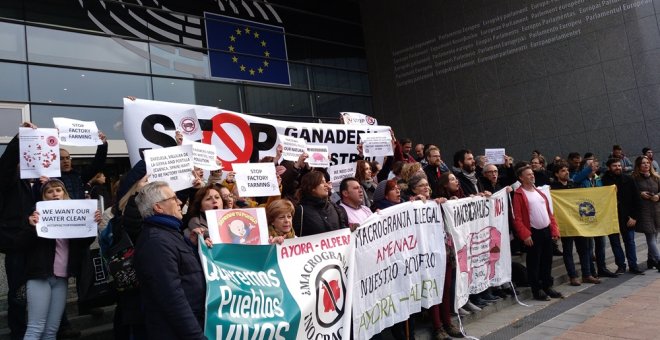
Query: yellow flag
586	211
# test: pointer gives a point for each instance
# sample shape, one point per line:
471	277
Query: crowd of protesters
165	227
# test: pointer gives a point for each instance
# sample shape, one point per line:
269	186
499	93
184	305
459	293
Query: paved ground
627	307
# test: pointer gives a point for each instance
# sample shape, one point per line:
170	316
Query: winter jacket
649	215
627	196
172	283
16	203
317	215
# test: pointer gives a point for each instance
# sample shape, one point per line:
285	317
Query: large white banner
400	264
479	228
238	138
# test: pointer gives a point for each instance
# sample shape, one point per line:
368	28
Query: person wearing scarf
167	265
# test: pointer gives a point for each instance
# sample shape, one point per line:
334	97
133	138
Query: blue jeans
15	269
582	245
617	250
628	235
46	301
653	247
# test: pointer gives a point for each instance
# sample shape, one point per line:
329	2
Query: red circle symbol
51	141
241	155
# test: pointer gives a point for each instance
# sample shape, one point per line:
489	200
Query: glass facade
79	59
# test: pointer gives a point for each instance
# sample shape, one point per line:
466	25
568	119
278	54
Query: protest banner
172	165
238	138
67	219
77	132
188	125
292	147
318	156
238	226
479	228
356	118
495	156
39	152
301	289
203	156
400	264
586	212
256	179
377	144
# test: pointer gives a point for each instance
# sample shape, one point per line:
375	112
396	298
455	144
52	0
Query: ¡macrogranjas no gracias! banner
301	289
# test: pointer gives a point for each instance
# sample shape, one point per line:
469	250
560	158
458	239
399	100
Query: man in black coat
16	204
628	205
465	171
172	283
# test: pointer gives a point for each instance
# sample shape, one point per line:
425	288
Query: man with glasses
168	268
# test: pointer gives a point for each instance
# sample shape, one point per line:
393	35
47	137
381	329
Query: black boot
651	263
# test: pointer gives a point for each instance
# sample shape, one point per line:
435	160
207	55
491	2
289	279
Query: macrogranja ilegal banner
400	264
301	289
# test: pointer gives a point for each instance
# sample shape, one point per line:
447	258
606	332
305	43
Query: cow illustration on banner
479	228
239	138
301	289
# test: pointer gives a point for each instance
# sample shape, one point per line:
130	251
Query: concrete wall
558	76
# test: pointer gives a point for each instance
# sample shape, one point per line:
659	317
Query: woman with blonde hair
50	263
279	214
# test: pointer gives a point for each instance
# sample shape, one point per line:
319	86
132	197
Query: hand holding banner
256	179
39	152
77	132
67	219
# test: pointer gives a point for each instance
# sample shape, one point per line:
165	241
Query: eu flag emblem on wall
246	50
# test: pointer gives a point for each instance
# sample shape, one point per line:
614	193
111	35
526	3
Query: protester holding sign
50	262
363	175
172	283
206	198
315	214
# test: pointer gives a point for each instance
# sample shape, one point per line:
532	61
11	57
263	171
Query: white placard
318	156
495	156
67	219
292	147
173	165
341	171
39	152
256	179
238	226
355	118
377	144
77	132
186	122
204	156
